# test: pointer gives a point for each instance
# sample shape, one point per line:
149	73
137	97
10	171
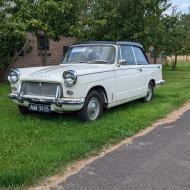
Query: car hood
55	73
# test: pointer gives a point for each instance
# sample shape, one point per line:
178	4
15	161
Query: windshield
90	54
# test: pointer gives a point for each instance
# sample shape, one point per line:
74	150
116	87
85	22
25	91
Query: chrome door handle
139	69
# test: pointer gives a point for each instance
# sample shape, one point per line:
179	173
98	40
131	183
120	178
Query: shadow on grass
72	116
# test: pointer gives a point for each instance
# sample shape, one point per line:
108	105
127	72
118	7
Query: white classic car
92	76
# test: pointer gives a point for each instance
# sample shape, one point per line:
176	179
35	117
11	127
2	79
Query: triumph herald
92	77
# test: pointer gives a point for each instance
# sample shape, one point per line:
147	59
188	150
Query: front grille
39	88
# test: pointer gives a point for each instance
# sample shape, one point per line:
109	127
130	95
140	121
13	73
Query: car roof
112	43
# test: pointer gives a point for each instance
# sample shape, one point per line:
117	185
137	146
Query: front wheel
150	92
92	108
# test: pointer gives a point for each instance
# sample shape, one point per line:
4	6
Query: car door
142	67
127	74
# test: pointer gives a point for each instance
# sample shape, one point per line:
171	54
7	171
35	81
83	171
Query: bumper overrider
160	83
57	104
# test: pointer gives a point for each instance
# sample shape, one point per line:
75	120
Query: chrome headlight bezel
70	78
14	76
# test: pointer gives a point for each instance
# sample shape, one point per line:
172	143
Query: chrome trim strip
119	69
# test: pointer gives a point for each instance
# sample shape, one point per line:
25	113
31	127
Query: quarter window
140	57
127	54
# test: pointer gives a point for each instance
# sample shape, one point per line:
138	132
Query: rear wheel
92	108
23	110
150	92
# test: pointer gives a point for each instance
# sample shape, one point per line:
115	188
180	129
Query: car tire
150	92
93	107
23	110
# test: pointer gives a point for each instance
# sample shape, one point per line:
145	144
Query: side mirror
121	62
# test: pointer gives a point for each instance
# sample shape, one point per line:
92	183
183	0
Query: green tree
186	25
174	36
12	36
97	19
153	25
133	20
53	18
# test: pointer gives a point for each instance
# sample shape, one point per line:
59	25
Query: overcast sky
182	5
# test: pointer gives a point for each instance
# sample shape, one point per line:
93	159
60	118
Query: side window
140	57
127	54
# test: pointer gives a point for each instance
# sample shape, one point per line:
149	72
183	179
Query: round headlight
14	76
70	78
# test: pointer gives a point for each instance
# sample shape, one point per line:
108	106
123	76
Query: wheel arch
101	90
153	81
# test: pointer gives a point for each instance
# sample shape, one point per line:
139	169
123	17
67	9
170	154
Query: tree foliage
186	25
175	36
134	20
125	19
53	18
141	21
12	37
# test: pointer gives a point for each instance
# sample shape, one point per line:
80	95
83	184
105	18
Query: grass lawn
36	146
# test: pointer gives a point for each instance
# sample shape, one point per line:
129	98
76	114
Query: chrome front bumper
58	104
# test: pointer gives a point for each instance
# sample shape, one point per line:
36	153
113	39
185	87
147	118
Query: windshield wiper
98	61
75	62
81	62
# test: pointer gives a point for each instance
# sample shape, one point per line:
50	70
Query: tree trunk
46	50
155	56
174	65
45	57
1	75
43	53
41	56
40	49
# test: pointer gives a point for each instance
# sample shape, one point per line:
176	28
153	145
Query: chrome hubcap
149	93
93	108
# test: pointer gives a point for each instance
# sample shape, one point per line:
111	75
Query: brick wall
31	56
